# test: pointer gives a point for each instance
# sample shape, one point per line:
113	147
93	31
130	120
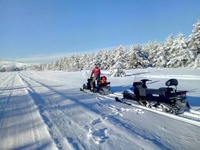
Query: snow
7	65
46	110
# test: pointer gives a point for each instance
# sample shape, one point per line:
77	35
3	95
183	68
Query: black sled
166	99
102	87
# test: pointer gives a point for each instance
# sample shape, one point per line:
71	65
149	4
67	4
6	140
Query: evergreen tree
152	49
172	53
169	51
194	38
119	54
117	70
178	56
107	60
160	59
196	63
137	57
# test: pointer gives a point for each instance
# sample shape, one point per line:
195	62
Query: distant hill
9	65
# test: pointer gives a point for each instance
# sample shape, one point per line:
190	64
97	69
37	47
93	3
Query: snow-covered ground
46	110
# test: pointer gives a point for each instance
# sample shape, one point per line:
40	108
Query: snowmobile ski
87	91
121	101
82	90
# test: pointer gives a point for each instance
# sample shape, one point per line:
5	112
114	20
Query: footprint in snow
162	127
116	110
99	135
98	120
138	111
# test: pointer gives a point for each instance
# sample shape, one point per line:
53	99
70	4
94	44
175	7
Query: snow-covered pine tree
119	54
49	66
174	51
137	57
106	60
87	61
117	70
196	63
97	58
179	55
57	65
160	59
154	51
151	49
73	63
194	38
169	51
84	62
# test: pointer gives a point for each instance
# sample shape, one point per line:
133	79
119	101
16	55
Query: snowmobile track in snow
190	116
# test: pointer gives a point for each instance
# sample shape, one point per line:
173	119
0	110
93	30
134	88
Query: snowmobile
166	99
101	86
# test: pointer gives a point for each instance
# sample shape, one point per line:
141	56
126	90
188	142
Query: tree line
174	52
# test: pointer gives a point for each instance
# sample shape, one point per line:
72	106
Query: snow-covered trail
21	125
72	119
46	110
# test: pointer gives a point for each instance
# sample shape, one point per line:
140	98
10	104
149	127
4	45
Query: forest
175	52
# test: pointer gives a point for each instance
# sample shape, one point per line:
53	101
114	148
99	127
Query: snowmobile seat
153	91
104	84
166	92
171	82
170	92
162	91
152	94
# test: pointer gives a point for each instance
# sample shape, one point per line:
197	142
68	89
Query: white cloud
44	58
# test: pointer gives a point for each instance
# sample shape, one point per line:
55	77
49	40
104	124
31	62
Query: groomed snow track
21	124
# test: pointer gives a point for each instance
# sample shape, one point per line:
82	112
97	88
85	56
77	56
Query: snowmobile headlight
172	100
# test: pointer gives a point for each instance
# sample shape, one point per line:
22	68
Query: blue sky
45	27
